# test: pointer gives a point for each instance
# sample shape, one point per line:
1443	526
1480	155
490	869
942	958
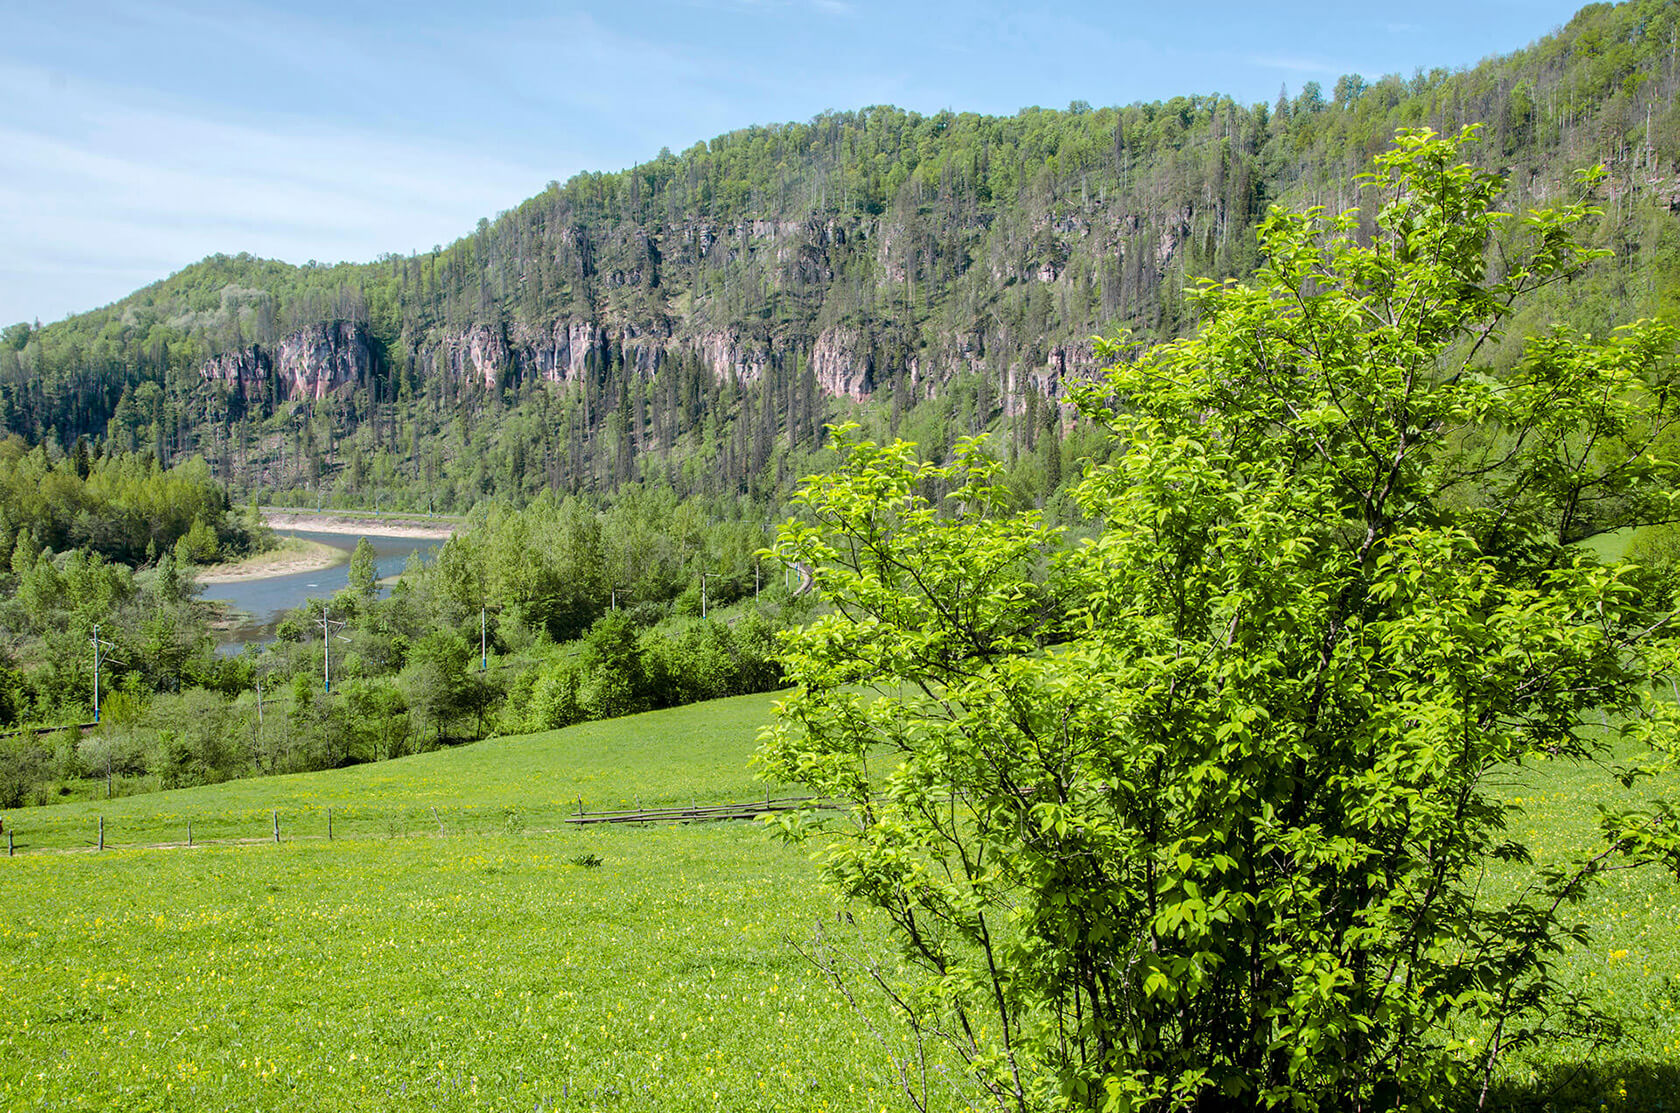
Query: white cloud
1294	65
826	7
100	184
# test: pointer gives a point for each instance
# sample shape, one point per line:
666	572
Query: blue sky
137	137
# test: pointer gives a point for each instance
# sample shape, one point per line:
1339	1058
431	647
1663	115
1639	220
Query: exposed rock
558	354
317	361
730	358
840	362
477	354
309	364
1175	230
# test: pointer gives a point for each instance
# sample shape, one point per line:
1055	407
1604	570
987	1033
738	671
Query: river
267	600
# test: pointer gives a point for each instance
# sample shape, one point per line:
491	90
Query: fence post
329	825
9	850
276	824
439	820
189	830
102	832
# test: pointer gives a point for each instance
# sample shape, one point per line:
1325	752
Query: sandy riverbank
324	522
294	555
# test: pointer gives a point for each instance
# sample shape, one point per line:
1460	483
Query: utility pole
96	673
327	627
97	642
484	633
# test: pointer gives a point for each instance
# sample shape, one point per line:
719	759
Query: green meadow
491	956
489	972
506	961
684	755
1630	966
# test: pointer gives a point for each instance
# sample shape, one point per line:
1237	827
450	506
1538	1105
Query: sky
140	136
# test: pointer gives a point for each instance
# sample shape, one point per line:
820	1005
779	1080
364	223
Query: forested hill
697	316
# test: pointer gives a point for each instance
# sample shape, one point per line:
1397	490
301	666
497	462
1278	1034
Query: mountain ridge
698	317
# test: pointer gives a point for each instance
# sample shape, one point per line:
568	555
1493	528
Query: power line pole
96	673
97	642
327	627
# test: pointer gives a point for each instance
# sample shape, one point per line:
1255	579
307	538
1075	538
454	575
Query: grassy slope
1630	966
685	754
491	969
491	972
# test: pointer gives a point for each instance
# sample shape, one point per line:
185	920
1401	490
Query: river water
267	600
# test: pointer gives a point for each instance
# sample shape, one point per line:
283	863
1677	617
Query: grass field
496	968
1631	966
490	965
687	754
469	973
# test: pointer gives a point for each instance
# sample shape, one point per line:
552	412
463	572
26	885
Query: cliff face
318	361
753	297
309	364
839	365
560	353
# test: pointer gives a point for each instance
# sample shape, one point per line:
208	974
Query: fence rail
38	731
699	812
95	831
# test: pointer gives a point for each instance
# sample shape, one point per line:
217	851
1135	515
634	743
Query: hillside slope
697	318
686	754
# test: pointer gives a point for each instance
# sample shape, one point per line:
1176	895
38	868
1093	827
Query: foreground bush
1199	815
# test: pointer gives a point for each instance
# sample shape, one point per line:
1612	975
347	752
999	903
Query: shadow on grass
1608	1083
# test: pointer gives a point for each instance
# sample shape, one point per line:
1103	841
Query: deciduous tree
364	570
1199	814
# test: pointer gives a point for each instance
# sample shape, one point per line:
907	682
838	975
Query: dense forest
697	319
527	619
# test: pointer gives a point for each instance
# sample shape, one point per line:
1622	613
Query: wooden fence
28	831
699	813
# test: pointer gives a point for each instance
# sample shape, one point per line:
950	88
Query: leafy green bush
1201	817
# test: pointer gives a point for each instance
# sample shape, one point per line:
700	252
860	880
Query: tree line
120	505
528	619
951	250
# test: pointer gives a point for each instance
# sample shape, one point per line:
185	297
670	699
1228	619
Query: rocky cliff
318	361
309	364
321	360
